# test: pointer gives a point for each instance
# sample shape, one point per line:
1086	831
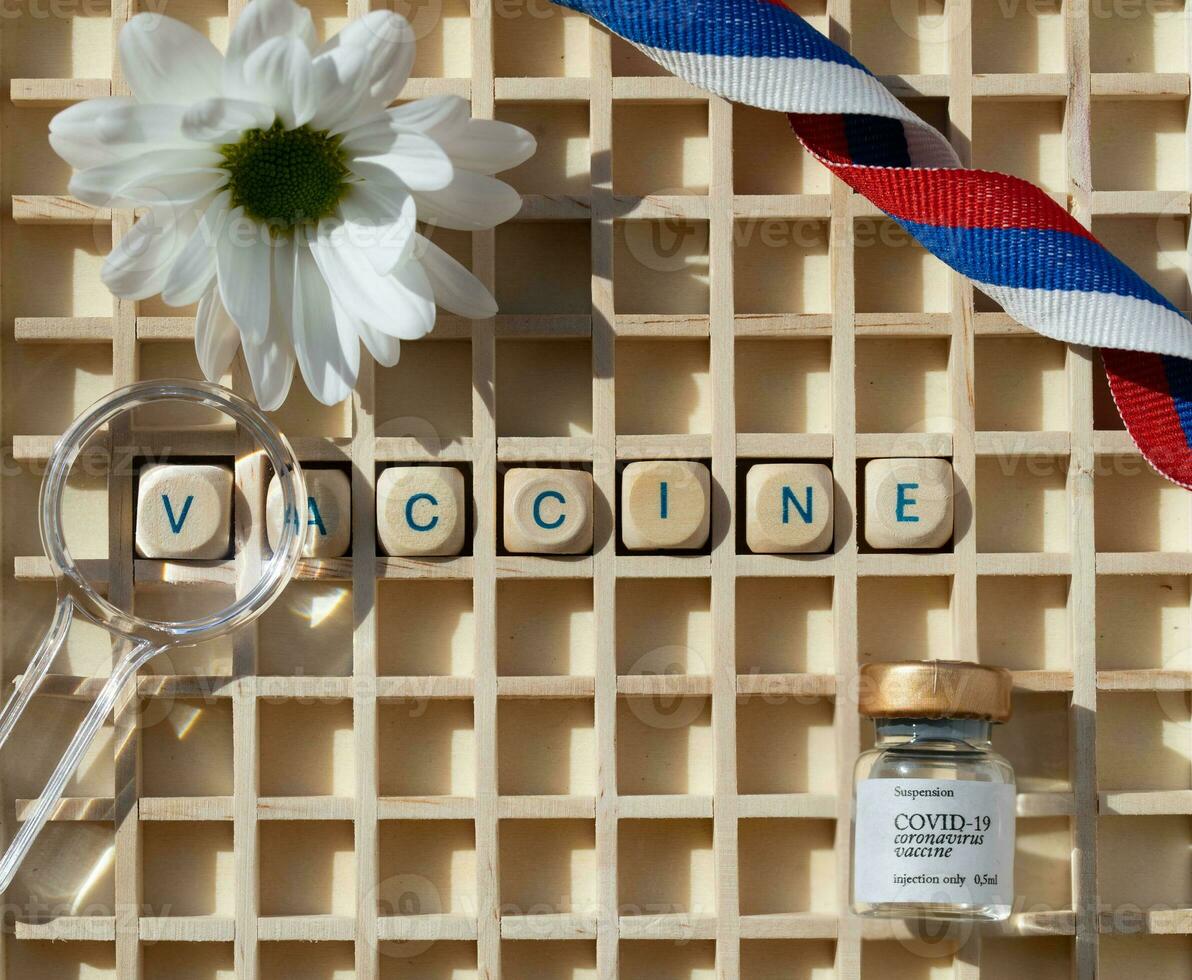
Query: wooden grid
1071	563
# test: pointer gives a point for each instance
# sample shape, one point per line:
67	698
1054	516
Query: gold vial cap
935	689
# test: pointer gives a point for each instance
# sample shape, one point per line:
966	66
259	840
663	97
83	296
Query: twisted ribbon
1006	235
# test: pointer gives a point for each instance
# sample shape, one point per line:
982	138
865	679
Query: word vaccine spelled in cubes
184	511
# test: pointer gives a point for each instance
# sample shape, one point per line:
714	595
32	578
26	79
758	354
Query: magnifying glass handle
129	663
37	669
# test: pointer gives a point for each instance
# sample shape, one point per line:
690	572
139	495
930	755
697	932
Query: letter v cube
184	511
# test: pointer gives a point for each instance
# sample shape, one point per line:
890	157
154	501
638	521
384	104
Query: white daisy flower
279	193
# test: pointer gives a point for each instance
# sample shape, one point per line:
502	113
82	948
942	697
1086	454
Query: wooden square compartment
427	747
1035	741
1019	38
1126	957
787	866
781	266
527	251
666	867
1037	152
1043	864
307	632
186	747
904	618
660	148
1144	862
558	960
428	394
1152	725
664	745
660	266
902	385
1139	145
188	869
1147	37
307	961
443	31
438	960
547	385
913	958
788	959
1155	247
663	387
176	359
425	628
904	37
1037	957
188	961
785	626
548	867
545	627
765	162
48	960
664	626
893	273
67	378
537	40
561	166
1138	510
307	868
546	747
1023	622
307	748
1142	622
646	959
1022	385
162	601
427	867
785	745
1022	504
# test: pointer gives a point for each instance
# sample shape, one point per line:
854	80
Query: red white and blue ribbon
1013	241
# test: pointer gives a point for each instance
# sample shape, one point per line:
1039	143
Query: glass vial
933	834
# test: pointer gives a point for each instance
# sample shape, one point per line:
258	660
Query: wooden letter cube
327	514
665	504
420	510
788	508
184	511
548	511
908	503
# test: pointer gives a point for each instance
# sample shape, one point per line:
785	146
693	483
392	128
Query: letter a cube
326	513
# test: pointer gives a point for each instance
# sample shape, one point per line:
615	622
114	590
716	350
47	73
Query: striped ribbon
1013	241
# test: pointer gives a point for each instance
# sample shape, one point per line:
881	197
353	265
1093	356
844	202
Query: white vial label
939	841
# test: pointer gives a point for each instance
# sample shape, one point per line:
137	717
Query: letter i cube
184	511
548	511
326	513
908	503
665	504
420	510
788	508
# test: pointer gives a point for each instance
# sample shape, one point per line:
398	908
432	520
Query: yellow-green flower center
286	177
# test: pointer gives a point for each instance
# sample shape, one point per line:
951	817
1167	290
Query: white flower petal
432	116
487	146
279	73
418	162
164	60
242	261
82	115
388	42
328	357
223	120
137	266
471	202
271	359
384	349
194	269
340	80
391	304
216	336
456	289
260	21
379	222
148	178
99	131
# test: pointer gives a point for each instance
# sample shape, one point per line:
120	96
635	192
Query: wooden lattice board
628	765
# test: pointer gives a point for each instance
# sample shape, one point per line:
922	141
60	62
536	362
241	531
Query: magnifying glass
135	640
